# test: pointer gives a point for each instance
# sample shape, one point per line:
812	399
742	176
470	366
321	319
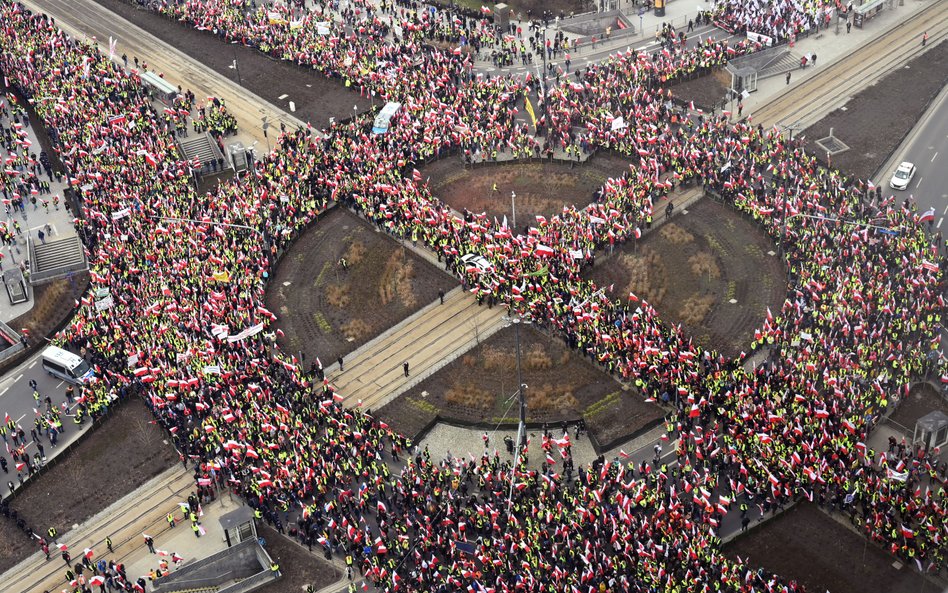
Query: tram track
806	102
146	511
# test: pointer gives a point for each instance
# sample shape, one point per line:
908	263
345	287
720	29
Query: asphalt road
588	55
17	401
928	149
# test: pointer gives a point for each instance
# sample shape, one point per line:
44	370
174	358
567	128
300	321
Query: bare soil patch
327	311
922	399
124	452
317	97
875	121
476	388
299	566
53	305
541	187
691	268
706	91
806	545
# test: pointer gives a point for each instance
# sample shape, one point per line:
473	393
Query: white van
67	366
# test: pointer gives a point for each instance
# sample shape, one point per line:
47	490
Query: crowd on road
778	20
188	327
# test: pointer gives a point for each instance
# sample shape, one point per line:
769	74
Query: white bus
384	119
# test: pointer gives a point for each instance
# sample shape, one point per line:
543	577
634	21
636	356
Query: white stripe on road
938	226
919	182
20	418
933	157
945	211
18	377
6	389
32	364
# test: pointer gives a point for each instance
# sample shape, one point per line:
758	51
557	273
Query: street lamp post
522	425
235	66
543	77
513	209
264	125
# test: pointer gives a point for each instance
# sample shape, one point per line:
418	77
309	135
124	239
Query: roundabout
847	339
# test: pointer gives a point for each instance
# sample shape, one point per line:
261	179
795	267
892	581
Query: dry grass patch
704	265
647	276
547	398
676	234
337	295
355	253
469	396
537	359
696	308
396	280
356	328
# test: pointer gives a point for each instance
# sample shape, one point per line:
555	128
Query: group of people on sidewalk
187	273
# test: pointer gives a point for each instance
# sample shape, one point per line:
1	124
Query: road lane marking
938	226
945	211
933	157
32	364
919	182
18	377
283	96
5	389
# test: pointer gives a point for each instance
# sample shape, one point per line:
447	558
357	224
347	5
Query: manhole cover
832	145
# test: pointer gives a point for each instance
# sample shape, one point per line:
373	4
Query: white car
477	261
902	176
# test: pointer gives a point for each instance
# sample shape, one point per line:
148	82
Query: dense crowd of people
189	326
779	20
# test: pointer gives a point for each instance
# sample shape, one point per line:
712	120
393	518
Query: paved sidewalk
830	47
428	340
36	218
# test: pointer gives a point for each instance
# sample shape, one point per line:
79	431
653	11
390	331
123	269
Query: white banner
120	214
104	304
250	331
212	369
762	39
894	475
